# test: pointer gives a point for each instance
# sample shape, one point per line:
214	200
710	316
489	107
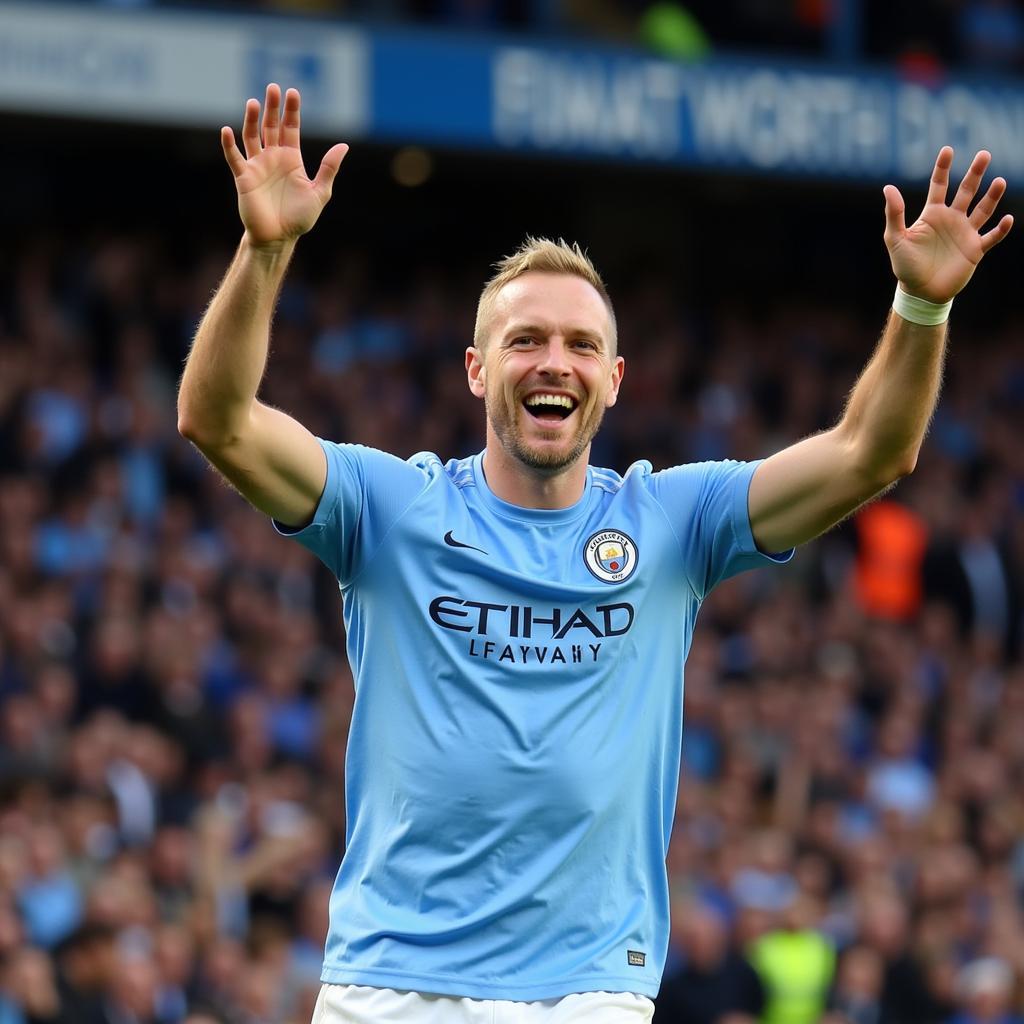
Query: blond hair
543	256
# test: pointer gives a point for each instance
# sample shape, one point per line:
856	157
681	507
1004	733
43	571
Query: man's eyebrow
518	330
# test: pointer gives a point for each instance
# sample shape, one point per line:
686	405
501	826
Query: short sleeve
365	494
706	504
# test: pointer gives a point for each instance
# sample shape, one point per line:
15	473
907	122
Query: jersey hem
446	985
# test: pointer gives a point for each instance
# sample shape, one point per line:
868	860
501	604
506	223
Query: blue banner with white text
742	115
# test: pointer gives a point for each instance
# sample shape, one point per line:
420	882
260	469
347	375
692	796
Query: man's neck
519	484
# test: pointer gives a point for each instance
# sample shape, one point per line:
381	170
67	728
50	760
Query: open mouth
550	408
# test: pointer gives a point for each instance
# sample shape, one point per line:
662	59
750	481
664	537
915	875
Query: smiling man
544	361
517	620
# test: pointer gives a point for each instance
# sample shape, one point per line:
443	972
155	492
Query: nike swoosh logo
453	543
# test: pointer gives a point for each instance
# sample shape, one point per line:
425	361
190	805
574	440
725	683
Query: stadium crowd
175	698
924	37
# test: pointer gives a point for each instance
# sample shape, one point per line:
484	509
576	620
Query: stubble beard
504	423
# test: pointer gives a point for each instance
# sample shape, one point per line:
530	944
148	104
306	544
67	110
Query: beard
503	417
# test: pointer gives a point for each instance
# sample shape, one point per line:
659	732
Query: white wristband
920	311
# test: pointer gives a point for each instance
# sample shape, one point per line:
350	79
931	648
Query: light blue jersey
514	752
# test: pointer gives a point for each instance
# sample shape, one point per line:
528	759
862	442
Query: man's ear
475	371
618	369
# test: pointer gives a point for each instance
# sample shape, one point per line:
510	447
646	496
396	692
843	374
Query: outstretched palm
935	257
277	201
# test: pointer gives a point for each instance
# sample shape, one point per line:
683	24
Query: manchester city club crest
610	556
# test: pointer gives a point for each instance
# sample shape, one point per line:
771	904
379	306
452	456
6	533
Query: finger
324	180
894	210
987	204
251	128
972	180
940	176
231	153
290	120
271	115
997	234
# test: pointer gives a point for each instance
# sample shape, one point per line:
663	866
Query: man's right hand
276	199
273	460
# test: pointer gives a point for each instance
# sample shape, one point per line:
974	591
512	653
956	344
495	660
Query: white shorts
359	1004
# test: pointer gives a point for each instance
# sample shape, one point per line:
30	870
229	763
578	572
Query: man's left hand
935	257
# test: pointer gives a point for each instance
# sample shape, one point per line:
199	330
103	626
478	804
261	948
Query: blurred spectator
857	994
882	924
896	778
670	29
986	989
796	964
991	33
29	989
48	896
892	542
87	963
712	980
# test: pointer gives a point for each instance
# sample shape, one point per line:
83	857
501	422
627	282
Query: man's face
548	372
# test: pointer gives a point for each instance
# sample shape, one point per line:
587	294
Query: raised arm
275	463
807	488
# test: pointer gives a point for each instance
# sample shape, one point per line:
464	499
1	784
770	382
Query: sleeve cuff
324	506
741	520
